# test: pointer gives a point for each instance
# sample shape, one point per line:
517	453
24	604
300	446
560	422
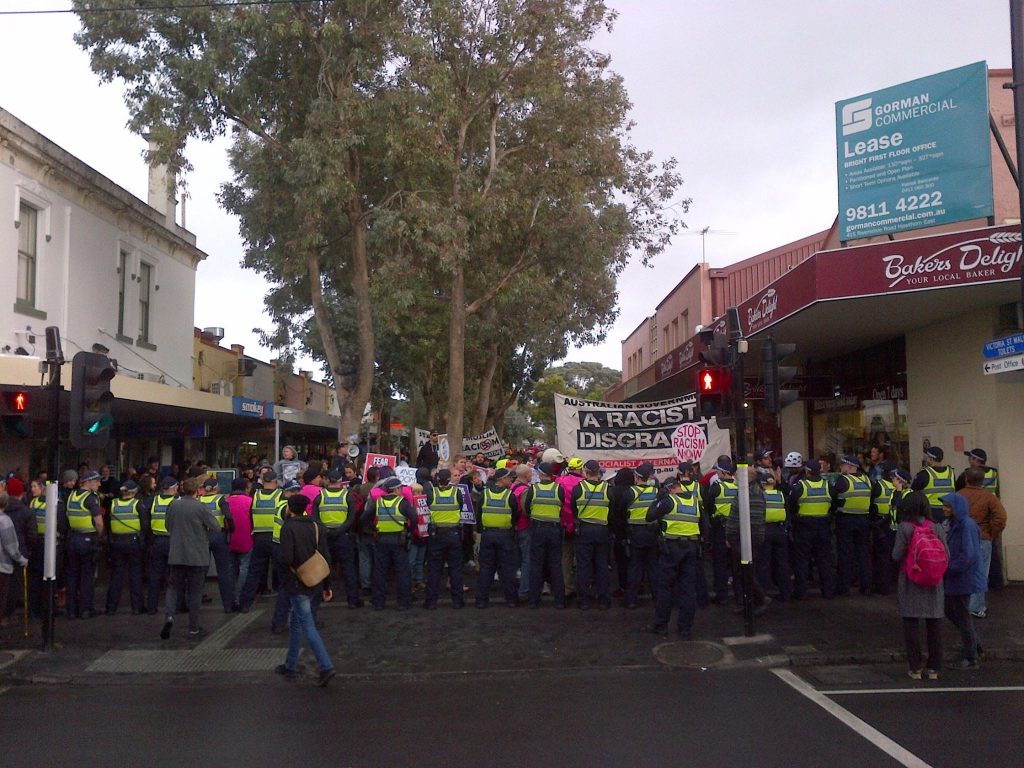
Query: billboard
915	155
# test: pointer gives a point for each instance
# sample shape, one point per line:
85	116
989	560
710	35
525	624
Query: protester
988	512
240	539
189	523
289	467
10	554
964	576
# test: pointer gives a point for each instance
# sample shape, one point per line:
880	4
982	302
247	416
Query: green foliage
588	381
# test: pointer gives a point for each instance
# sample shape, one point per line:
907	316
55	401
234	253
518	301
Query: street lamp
277	429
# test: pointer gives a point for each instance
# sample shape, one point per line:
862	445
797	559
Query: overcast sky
741	93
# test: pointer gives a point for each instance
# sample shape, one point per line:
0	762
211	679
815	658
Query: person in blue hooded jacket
964	575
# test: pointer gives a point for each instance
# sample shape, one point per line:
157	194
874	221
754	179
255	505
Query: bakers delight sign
675	361
985	258
763	311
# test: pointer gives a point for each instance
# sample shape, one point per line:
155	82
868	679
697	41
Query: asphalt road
605	717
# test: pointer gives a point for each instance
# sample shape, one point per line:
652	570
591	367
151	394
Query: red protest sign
379	460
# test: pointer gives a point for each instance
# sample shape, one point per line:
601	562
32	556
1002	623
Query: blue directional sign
1010	345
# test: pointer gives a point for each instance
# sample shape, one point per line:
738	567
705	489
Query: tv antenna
704	239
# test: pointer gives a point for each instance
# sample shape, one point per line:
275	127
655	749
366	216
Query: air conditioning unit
155	377
246	367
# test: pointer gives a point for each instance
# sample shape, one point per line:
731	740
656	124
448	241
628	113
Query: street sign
1004	365
1011	345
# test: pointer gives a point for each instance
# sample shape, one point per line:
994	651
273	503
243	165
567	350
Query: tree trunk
327	338
384	426
457	359
355	400
427	388
483	394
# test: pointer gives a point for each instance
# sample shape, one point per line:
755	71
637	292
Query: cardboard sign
422	516
379	460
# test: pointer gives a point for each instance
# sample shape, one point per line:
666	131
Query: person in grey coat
189	523
916	602
10	554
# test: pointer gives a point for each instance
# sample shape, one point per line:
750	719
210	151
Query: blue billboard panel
915	155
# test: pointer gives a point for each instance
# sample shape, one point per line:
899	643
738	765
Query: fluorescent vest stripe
939	484
389	519
38	505
883	503
775	506
814	499
857	498
264	510
158	515
545	505
643	497
124	516
495	511
79	516
333	507
991	481
445	510
593	504
212	503
723	502
684	519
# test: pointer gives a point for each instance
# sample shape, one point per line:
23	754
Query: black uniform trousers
342	548
444	547
159	549
853	541
884	570
812	540
593	547
497	552
259	564
81	573
125	565
721	561
221	555
677	570
546	560
36	586
389	552
772	559
643	561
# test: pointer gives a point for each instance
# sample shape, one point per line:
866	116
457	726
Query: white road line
879	739
979	688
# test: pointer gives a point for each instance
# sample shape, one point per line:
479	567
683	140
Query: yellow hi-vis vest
158	514
643	497
857	497
124	517
940	483
884	502
212	503
79	516
389	518
38	506
495	511
593	503
264	510
445	510
333	507
775	506
545	506
814	498
723	502
684	519
991	481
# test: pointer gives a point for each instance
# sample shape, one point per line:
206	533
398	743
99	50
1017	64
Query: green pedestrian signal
92	401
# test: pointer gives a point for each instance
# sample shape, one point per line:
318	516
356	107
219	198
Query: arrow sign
1011	345
1003	365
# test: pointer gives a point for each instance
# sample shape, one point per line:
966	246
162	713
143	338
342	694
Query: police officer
643	536
267	503
809	505
978	458
543	502
129	527
679	514
935	481
499	513
444	544
335	510
590	506
718	501
86	521
687	473
883	531
853	495
36	560
772	559
393	516
160	541
217	503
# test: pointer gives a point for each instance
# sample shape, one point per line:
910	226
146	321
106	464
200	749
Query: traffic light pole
743	492
54	360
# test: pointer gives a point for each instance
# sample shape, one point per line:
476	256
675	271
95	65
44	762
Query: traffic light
91	400
713	385
17	419
775	375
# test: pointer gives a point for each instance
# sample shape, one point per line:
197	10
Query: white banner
489	444
619	435
406	474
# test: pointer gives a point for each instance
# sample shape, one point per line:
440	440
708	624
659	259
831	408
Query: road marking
979	688
753	639
876	737
219	639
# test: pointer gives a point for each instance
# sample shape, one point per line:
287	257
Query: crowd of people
536	524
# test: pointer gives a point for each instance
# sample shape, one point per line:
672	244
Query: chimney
238	349
161	189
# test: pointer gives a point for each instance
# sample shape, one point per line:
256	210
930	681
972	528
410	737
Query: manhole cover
689	654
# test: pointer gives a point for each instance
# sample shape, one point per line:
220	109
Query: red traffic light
713	380
16	401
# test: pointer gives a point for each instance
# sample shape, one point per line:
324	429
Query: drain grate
142	662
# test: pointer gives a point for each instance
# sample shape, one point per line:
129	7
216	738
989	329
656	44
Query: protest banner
422	516
406	474
379	460
489	444
467	515
618	435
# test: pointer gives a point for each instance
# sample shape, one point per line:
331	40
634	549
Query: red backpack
926	559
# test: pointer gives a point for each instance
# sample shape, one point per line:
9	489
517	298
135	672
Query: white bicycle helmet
793	460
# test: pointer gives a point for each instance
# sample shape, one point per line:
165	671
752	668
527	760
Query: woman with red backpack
923	556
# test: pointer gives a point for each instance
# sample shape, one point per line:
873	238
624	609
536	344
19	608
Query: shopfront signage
254	409
1003	365
915	155
1010	345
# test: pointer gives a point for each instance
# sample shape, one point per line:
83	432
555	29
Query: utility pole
1017	57
739	347
54	361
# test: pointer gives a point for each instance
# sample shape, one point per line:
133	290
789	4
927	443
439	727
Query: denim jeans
240	563
977	602
186	579
301	622
364	543
417	555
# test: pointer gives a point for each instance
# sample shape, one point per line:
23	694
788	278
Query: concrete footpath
372	644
